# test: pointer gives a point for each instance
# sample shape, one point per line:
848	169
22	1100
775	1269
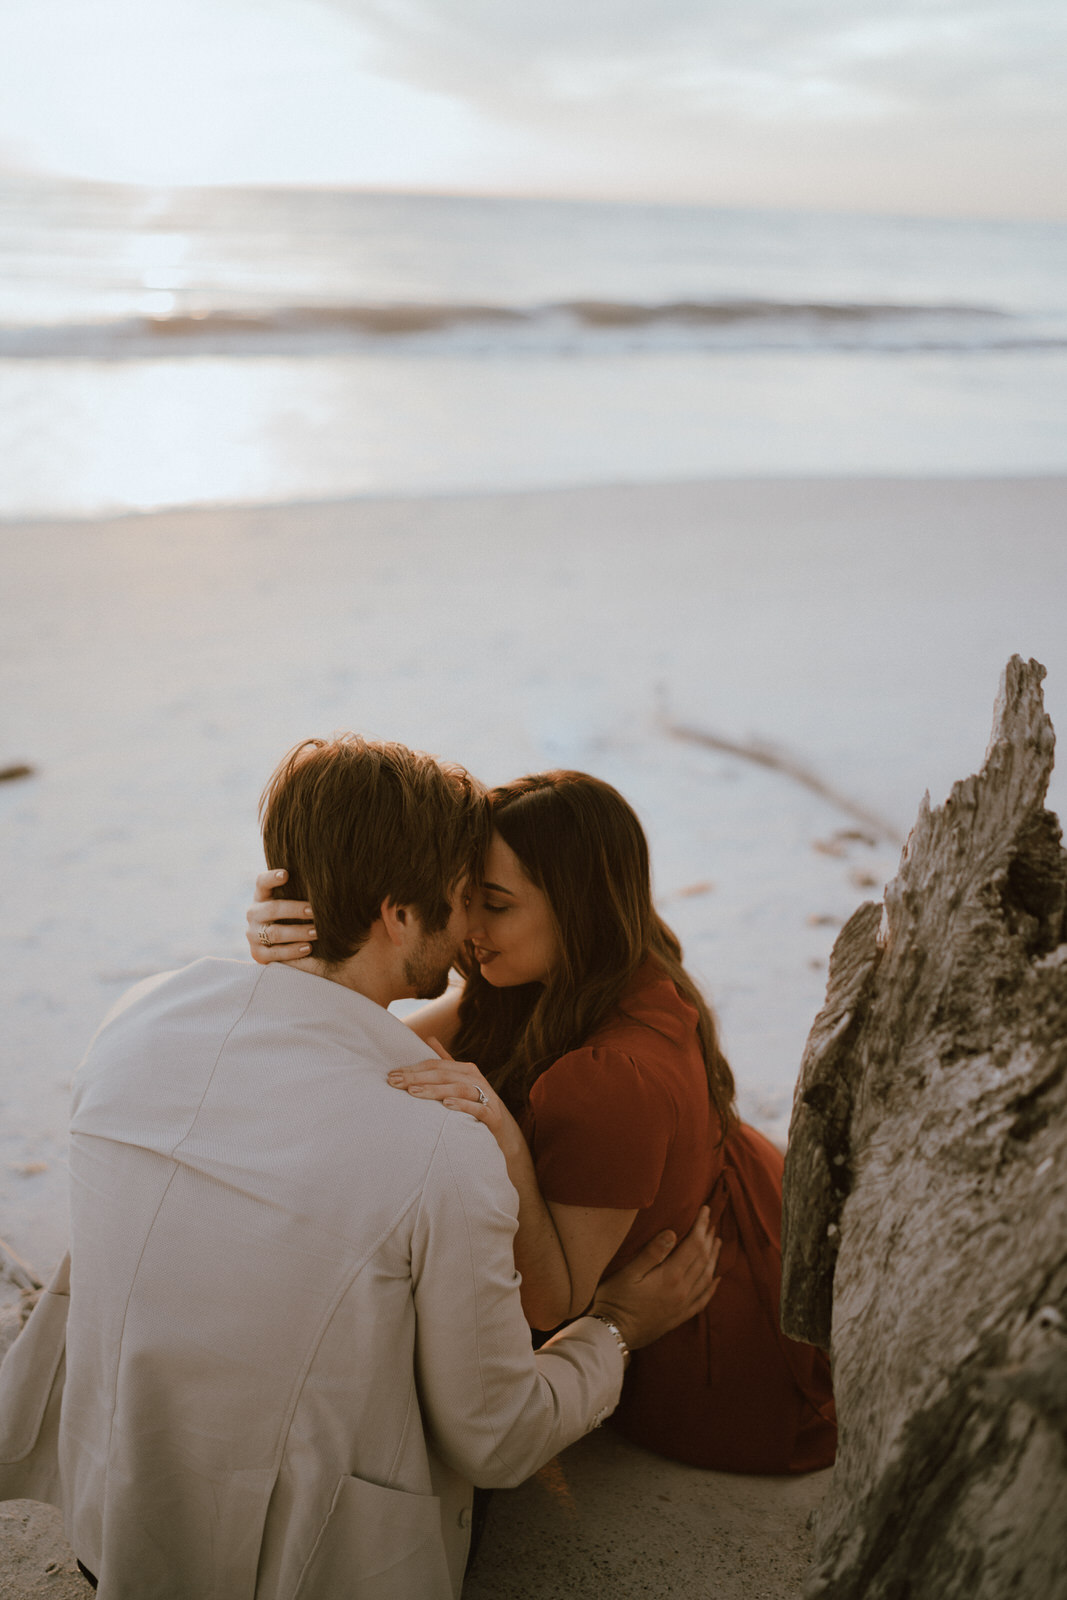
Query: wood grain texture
925	1232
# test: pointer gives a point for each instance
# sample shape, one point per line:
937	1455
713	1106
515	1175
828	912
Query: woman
600	1075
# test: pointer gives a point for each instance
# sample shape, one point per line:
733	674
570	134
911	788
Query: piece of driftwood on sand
925	1234
19	1291
762	754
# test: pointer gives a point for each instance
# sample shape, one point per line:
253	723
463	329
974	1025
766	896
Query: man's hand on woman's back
663	1286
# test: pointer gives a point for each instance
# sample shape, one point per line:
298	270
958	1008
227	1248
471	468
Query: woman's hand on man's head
278	930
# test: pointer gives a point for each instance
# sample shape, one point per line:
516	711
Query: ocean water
174	347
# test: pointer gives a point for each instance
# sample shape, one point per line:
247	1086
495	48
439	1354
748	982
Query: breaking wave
572	326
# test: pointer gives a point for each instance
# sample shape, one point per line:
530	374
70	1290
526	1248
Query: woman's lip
482	956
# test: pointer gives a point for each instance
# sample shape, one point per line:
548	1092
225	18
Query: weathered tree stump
925	1234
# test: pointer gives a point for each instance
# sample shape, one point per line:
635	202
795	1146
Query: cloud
620	90
554	50
919	105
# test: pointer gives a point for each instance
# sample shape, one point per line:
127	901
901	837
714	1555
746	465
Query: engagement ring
264	935
482	1096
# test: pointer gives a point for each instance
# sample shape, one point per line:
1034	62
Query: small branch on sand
16	1271
768	755
7	774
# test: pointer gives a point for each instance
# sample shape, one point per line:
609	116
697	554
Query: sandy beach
156	667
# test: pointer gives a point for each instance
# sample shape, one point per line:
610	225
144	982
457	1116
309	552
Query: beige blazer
294	1335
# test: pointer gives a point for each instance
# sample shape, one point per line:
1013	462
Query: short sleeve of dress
599	1127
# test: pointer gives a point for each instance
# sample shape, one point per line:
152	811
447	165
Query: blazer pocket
30	1369
378	1544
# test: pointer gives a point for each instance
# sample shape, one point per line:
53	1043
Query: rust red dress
626	1122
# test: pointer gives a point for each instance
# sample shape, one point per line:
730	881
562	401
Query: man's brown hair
356	822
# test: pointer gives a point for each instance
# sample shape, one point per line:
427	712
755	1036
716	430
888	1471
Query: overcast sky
928	106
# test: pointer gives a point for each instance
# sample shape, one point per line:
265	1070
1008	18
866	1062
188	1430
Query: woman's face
510	924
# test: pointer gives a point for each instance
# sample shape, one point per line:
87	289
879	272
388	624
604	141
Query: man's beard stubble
426	972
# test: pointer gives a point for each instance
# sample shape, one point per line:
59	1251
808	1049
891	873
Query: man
294	1337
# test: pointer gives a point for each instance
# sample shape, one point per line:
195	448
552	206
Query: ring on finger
264	934
482	1096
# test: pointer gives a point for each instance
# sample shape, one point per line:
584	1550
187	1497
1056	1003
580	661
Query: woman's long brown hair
584	848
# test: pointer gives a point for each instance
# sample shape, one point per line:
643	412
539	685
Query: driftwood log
925	1232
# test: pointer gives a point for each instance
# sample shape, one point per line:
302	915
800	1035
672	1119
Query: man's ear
396	920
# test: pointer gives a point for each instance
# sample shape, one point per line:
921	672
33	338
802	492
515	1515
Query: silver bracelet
619	1340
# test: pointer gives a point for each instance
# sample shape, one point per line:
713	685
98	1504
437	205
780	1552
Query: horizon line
527	193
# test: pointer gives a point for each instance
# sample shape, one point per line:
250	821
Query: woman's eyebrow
498	888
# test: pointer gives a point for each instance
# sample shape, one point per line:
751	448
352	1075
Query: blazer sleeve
494	1410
